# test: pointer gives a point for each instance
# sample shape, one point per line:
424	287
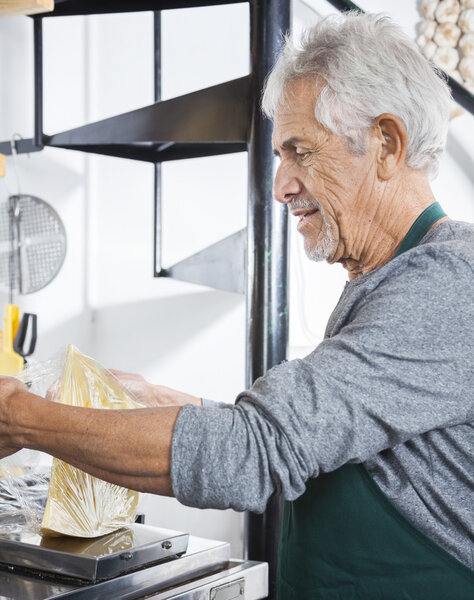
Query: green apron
344	540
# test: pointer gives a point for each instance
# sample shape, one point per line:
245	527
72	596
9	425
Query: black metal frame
65	8
252	261
267	257
157	214
38	79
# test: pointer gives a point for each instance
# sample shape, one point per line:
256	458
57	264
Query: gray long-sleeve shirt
391	385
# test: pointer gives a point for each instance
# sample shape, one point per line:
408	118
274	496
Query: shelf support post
38	81
157	267
267	256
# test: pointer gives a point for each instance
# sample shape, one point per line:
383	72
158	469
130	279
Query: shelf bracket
220	266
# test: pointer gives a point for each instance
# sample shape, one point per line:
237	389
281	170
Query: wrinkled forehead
294	115
298	94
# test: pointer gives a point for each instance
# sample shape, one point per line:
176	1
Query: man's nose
286	186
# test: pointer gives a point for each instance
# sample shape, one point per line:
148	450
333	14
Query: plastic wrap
24	476
77	504
23	492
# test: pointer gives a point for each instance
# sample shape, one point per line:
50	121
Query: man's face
329	189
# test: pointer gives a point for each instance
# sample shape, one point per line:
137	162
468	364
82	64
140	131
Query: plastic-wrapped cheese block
78	504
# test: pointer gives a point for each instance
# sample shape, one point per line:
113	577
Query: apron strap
420	227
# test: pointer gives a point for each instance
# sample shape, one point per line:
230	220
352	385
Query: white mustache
301	203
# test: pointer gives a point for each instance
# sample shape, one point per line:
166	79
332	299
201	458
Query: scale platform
136	562
92	560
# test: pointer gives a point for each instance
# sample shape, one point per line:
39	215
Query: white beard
326	245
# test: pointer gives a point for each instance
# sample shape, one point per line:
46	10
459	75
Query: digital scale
136	562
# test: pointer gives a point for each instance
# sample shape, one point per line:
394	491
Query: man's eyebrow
291	142
288	144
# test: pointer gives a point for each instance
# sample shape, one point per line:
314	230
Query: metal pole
38	79
267	257
158	190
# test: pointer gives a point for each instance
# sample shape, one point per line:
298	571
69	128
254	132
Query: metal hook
16	137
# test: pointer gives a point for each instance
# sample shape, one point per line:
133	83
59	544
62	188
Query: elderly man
370	437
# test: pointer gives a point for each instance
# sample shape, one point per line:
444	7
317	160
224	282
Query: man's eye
302	155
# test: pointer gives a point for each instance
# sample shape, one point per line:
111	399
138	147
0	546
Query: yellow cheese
79	504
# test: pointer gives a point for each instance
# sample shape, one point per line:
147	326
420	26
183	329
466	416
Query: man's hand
131	448
153	395
10	388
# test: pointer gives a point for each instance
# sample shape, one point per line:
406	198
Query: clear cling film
76	503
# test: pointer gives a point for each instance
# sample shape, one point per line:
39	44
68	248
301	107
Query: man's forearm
129	447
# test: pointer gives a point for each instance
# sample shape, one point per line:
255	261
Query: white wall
105	299
53	175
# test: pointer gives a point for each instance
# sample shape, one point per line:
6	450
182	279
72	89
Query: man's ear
392	136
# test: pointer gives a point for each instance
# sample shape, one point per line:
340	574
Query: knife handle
28	321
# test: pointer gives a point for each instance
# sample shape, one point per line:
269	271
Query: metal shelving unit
250	261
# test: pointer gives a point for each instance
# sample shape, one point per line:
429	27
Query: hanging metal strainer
32	244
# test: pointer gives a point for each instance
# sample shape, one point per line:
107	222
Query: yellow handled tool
10	361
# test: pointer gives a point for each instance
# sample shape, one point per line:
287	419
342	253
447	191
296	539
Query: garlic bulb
447	34
429	49
447	11
466	44
466	20
446	37
427	29
446	58
466	68
428	7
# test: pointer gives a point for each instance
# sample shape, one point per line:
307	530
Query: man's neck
389	225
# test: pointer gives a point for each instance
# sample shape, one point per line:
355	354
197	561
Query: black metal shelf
22	146
211	121
152	153
69	8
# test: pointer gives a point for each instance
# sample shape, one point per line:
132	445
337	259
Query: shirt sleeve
399	366
209	402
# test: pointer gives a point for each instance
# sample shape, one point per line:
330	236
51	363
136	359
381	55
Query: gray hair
365	66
